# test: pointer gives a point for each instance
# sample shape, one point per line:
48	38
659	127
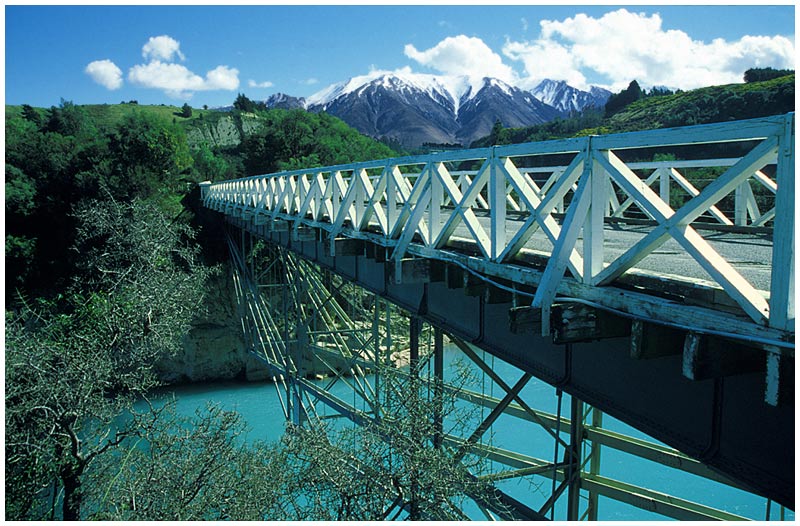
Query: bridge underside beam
630	372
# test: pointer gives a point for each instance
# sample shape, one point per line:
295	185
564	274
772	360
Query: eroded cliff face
214	349
223	132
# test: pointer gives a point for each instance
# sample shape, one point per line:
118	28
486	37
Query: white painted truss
570	190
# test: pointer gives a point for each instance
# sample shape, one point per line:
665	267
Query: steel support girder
722	422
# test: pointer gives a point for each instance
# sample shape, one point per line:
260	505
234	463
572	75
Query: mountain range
416	108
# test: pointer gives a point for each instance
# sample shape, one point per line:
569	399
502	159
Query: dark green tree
496	135
618	101
289	139
70	119
186	110
208	166
764	74
242	103
30	113
48	172
148	157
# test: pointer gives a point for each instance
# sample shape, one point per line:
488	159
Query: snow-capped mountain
496	100
284	101
417	108
567	99
411	109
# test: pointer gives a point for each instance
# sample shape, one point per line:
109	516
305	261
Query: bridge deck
750	253
706	340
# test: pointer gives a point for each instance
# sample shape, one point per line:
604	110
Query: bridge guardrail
421	200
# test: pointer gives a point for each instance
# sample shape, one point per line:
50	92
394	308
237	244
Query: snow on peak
566	98
458	89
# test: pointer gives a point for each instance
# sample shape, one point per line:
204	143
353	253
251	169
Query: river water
259	405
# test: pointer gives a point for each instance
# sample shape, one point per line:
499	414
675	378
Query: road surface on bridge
749	253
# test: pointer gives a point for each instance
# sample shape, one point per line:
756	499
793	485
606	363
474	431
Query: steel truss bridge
648	275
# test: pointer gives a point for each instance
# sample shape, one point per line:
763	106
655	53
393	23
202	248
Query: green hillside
701	106
707	105
107	116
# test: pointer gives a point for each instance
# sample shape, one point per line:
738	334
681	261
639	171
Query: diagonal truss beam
676	225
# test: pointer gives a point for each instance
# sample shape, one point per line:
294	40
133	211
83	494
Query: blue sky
207	54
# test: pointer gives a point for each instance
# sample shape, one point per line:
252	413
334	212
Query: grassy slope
108	115
658	112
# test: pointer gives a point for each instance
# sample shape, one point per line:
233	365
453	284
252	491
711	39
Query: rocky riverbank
214	349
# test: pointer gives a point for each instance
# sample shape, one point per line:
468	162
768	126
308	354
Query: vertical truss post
290	401
781	312
497	207
438	386
574	456
740	204
243	248
599	188
594	465
298	371
252	256
414	327
388	337
663	184
376	342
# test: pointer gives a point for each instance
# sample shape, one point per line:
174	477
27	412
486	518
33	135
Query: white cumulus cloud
222	77
462	55
253	84
177	81
162	47
621	46
105	73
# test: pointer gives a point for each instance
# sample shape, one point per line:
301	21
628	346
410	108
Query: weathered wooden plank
496	295
279	225
575	322
411	270
706	357
779	382
638	303
525	320
305	234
